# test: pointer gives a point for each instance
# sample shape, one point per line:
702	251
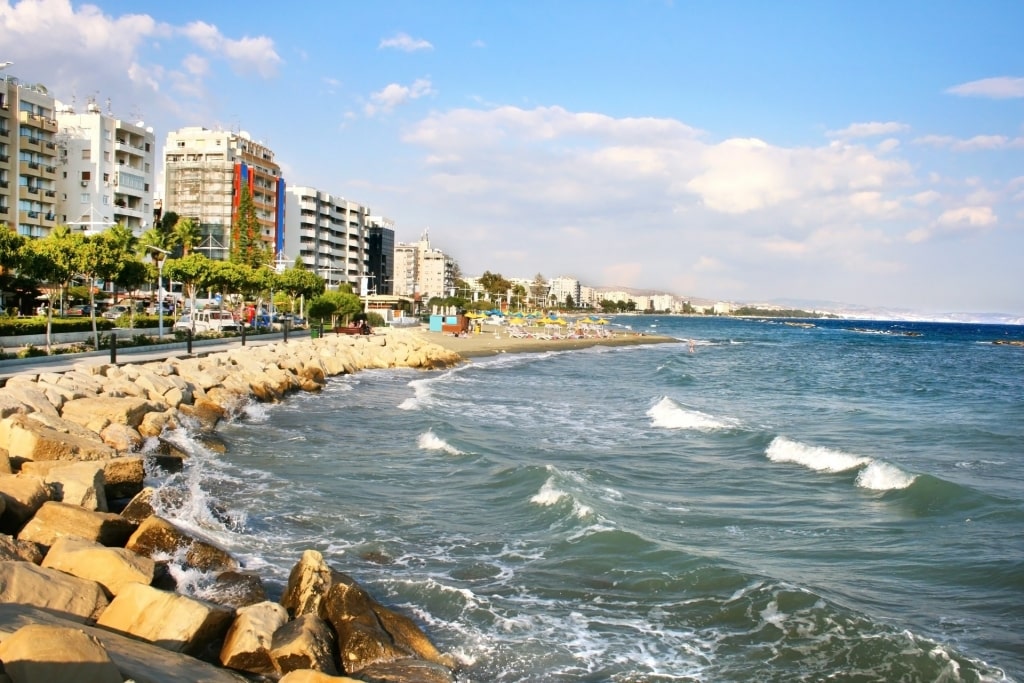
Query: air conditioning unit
85	183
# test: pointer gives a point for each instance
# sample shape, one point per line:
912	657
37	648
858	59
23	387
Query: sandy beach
492	341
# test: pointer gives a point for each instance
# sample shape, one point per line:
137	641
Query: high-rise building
28	158
423	271
204	172
381	255
329	233
107	170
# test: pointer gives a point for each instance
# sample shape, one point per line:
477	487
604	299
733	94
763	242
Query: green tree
494	284
53	259
299	282
539	290
187	235
247	245
335	304
100	257
193	272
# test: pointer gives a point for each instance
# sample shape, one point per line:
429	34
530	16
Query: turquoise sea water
843	502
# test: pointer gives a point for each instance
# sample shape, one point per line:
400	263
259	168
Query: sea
781	500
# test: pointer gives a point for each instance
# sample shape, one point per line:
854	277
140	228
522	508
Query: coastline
492	343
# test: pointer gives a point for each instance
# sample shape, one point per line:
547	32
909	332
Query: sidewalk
137	354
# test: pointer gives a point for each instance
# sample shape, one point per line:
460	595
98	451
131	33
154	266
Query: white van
215	321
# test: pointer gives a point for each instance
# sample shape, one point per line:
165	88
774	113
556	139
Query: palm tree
186	233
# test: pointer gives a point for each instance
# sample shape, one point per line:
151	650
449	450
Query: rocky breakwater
86	593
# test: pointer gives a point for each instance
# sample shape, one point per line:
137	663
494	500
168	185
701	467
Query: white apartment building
560	288
204	171
330	234
108	170
28	158
423	271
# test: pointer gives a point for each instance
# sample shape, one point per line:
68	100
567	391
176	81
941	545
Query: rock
26	551
308	582
121	437
124	477
174	622
137	661
140	507
307	676
29	439
157	535
79	483
23	496
406	671
112	568
306	642
56	653
238	589
127	411
248	642
26	584
56	520
25	392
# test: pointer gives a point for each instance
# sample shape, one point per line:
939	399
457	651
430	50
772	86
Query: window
86	154
84	198
106	200
86	175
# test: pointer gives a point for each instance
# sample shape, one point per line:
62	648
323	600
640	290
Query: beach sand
492	341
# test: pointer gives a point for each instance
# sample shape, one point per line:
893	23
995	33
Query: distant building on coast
422	271
108	170
204	171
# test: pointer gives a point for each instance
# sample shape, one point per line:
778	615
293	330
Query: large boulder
248	642
25	551
26	584
112	568
306	642
308	676
157	535
79	483
308	582
97	412
39	652
26	438
22	496
174	622
137	661
56	520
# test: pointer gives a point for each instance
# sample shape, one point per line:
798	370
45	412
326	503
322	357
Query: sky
861	154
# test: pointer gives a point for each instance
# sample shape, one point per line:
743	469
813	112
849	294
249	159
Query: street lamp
158	256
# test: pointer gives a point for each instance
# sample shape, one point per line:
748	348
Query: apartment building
107	170
423	271
28	158
381	255
560	289
204	171
329	233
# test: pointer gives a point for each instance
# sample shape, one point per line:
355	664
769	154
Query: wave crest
429	441
667	414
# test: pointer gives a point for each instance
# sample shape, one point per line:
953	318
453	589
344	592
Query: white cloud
999	88
246	55
405	43
968	217
866	130
973	144
395	95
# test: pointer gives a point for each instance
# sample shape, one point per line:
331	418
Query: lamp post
158	256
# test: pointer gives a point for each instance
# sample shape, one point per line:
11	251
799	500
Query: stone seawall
83	555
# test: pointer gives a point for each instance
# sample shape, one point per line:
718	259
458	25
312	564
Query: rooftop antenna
109	112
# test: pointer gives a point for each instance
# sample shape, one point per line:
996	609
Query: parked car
215	321
154	308
183	324
116	311
79	310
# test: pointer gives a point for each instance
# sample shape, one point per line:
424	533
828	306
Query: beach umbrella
601	321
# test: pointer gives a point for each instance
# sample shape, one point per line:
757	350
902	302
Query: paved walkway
136	354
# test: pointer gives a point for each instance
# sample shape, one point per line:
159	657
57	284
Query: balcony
29	141
4	132
3	210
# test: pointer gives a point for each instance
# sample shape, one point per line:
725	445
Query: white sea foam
549	494
817	458
667	414
429	441
881	476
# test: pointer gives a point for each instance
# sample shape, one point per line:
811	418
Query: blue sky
869	154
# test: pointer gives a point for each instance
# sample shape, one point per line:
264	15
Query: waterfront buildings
28	158
421	271
204	173
107	171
